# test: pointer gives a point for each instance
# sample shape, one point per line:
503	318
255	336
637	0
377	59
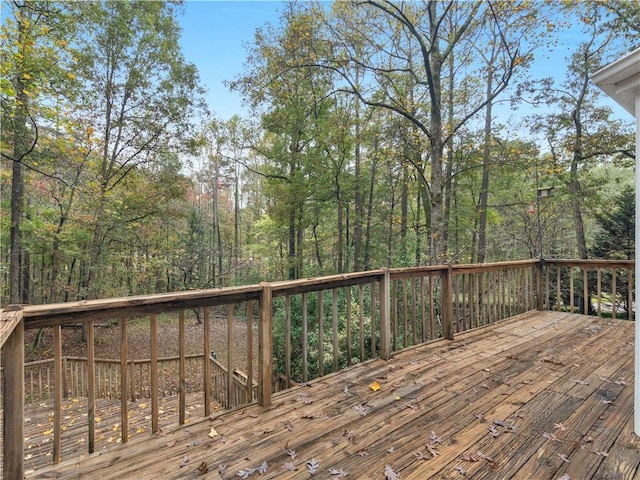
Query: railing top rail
37	316
591	263
489	267
305	285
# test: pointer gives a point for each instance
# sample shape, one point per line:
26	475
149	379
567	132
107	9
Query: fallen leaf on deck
560	426
420	455
563	457
375	386
338	473
551	436
292	454
601	454
313	466
262	469
290	466
350	435
184	461
288	425
493	431
469	458
361	409
390	474
202	469
213	433
432	450
485	457
222	470
140	430
246	473
579	382
435	438
460	470
362	453
346	390
170	444
621	382
305	399
565	477
391	450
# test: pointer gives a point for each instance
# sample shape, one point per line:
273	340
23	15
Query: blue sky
214	33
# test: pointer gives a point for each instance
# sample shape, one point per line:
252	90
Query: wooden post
539	285
265	346
57	401
13	401
385	315
446	301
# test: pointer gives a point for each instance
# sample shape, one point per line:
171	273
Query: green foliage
616	239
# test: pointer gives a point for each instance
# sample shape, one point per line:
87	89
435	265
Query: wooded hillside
380	134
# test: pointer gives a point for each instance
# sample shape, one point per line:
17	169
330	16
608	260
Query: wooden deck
545	395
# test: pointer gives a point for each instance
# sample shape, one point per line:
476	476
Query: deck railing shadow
292	332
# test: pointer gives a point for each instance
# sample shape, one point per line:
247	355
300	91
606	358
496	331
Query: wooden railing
303	329
592	287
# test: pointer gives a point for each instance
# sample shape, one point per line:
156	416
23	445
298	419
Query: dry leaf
184	461
290	466
202	469
470	458
288	425
213	433
420	456
435	438
338	473
560	426
391	450
292	454
246	473
346	390
362	453
432	450
551	436
601	454
170	444
350	435
390	474
313	466
493	431
460	470
565	477
563	457
484	457
222	470
375	386
579	382
262	469
361	409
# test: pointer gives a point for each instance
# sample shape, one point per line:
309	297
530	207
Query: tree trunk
486	160
574	186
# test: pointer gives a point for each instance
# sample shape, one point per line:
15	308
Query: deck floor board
542	373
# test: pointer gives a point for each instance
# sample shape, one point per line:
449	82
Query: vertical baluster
599	290
571	291
347	294
630	293
230	344
432	316
206	367
320	335
394	319
336	347
124	406
287	339
405	313
423	308
249	393
585	292
91	385
414	327
182	413
305	339
361	320
614	292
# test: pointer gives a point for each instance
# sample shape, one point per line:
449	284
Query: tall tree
36	66
433	40
140	94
